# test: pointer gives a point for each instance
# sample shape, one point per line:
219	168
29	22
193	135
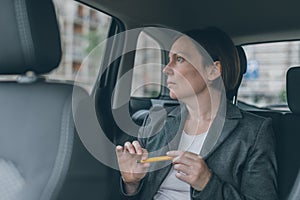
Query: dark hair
220	48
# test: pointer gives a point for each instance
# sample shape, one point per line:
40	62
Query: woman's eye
179	59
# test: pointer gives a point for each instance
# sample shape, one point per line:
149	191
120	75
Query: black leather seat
295	192
36	126
87	178
289	137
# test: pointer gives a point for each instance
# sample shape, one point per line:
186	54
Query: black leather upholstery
292	88
288	152
293	80
289	137
295	193
29	37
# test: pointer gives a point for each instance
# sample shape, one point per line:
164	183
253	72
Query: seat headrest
292	89
243	59
243	68
29	37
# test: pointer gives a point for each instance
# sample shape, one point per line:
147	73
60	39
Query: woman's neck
203	106
202	109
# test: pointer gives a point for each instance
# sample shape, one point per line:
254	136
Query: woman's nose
168	69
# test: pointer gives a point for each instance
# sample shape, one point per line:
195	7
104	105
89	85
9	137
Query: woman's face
184	70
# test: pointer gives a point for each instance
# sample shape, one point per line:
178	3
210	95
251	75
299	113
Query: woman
218	151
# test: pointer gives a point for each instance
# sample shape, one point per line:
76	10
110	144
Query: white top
172	188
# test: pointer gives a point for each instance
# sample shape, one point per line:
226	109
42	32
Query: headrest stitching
24	31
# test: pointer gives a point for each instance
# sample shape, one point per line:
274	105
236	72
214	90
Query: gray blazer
241	159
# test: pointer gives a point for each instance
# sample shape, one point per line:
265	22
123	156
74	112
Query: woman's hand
191	168
131	171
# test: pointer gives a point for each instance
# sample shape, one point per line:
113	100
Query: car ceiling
245	21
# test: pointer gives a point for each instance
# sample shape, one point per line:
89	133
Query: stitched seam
62	160
24	31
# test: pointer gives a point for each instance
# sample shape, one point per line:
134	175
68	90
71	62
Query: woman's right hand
131	171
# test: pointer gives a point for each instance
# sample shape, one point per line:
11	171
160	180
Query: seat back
87	178
289	138
295	192
36	136
36	126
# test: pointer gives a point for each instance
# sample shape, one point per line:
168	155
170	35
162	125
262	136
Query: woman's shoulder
254	129
247	115
233	111
254	122
247	121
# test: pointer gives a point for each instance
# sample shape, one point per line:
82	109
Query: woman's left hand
191	168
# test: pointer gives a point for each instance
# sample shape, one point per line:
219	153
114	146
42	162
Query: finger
137	147
187	157
183	160
182	176
145	154
192	156
145	165
129	147
119	149
144	157
182	168
174	153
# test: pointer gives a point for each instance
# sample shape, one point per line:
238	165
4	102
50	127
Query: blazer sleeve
258	181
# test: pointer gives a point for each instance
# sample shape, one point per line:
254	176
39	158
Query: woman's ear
214	71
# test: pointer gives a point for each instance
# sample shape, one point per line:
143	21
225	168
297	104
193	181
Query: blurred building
82	28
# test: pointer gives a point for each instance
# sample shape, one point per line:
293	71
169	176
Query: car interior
118	54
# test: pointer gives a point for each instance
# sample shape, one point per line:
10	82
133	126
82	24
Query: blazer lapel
216	134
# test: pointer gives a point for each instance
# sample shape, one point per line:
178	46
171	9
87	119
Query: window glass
264	84
82	29
147	71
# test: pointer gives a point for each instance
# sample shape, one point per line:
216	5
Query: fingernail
175	159
167	153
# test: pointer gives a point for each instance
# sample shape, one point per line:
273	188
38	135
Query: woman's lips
170	83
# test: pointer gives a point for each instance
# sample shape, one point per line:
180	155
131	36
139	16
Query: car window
82	29
264	84
147	68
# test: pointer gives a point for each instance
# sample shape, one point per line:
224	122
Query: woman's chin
172	95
